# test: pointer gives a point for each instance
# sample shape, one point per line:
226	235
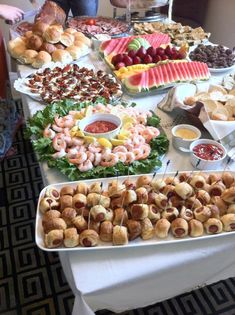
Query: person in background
79	7
10	13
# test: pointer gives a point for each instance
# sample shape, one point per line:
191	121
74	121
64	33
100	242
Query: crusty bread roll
60	46
85	40
78	35
67	39
39	28
81	45
28	56
41	59
48	47
52	34
16	47
70	30
63	56
34	42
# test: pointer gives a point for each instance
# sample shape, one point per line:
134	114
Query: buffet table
120	279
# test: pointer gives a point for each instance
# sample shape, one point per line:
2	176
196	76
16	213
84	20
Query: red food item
208	151
91	22
100	126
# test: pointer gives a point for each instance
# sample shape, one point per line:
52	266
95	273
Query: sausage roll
89	238
143	180
170	213
154	212
198	181
147	229
185	177
129	184
184	190
80	223
98	213
134	229
95	188
106	231
54	238
202	213
169	191
71	237
213	226
48	203
151	197
227	179
93	199
52	192
68	214
54	224
67	190
51	214
217	189
186	214
228	195
215	213
120	235
120	216
109	215
94	226
84	211
162	228
203	196
82	188
176	201
195	228
66	201
213	178
220	203
115	189
129	196
228	221
161	200
139	211
79	201
179	227
231	209
192	203
157	184
104	201
117	202
171	180
142	195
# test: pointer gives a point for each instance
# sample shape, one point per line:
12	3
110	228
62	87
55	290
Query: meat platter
99	25
211	215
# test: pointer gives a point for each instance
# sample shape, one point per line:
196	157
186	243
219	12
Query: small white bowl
98	39
206	164
180	142
101	117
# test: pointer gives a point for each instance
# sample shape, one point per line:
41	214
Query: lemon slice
90	139
122	137
116	142
78	116
127	119
127	126
105	143
79	133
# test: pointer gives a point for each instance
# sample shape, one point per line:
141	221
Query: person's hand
10	13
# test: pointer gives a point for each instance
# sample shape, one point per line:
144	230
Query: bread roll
67	39
52	34
34	42
162	228
78	35
54	239
63	56
70	30
89	238
213	226
59	46
85	40
179	227
48	47
28	34
195	228
39	28
28	56
16	50
74	51
71	237
41	59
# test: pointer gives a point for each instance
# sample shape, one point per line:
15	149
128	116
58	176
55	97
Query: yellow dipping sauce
185	133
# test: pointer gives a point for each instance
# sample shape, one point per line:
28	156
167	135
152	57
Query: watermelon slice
119	45
165	74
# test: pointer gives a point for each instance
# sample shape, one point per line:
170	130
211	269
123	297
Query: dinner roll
41	59
70	30
28	56
34	42
85	40
39	28
74	51
67	39
16	47
82	46
52	34
48	47
60	55
28	34
78	35
59	46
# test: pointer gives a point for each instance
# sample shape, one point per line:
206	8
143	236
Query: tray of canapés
132	211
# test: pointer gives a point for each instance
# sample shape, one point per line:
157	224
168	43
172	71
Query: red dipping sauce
100	126
208	151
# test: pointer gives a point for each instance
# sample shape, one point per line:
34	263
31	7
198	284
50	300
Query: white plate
39	234
220	70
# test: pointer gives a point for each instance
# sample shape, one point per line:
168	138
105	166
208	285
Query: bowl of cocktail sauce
101	125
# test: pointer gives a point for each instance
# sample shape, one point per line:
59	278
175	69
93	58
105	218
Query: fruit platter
151	63
140	210
129	141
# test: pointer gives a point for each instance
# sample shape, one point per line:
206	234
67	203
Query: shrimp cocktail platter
96	140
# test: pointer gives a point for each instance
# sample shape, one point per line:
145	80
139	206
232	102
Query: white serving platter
39	234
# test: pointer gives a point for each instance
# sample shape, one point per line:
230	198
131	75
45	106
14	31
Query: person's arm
10	13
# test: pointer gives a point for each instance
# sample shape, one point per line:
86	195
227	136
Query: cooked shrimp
109	159
90	156
121	156
59	154
80	158
138	141
146	151
48	132
77	141
65	122
59	142
120	148
138	154
155	131
72	153
56	128
148	135
86	166
94	148
130	157
142	119
97	160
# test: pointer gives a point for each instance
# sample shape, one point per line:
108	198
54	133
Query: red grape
119	65
160	51
127	60
141	52
147	59
131	53
157	58
136	60
119	58
151	51
164	57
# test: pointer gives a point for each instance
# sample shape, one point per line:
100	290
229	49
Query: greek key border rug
32	281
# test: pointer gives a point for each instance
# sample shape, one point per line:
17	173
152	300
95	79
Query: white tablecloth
121	279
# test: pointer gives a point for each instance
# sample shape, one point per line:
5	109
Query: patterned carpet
32	282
